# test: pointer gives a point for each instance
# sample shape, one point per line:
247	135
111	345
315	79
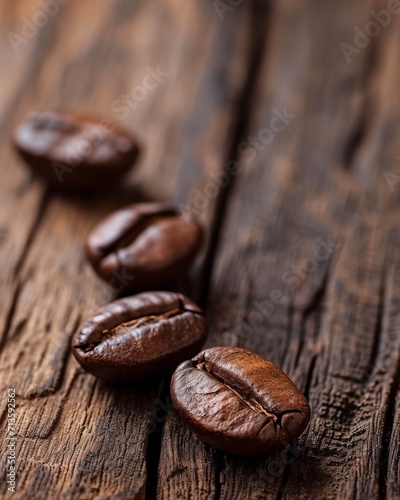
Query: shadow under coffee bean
140	336
238	401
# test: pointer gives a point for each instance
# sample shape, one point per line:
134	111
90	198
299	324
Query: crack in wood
31	236
219	471
18	266
9	317
315	306
309	375
246	103
154	441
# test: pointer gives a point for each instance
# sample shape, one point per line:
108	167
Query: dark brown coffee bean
144	246
140	336
69	150
238	401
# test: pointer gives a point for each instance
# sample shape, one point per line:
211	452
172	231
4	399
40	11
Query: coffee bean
144	246
140	336
75	151
238	401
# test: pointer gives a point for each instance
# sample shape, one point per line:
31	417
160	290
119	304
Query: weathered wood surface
329	318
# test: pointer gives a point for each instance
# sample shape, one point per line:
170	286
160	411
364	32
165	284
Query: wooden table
295	110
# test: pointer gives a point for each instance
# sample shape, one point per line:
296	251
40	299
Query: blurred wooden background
302	260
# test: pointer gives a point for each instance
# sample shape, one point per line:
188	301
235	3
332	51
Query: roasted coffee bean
75	151
140	336
238	401
144	246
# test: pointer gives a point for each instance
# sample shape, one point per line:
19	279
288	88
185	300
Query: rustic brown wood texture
301	262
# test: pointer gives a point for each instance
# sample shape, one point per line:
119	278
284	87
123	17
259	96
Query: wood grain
301	262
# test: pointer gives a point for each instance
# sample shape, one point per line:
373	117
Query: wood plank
321	177
78	436
332	325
